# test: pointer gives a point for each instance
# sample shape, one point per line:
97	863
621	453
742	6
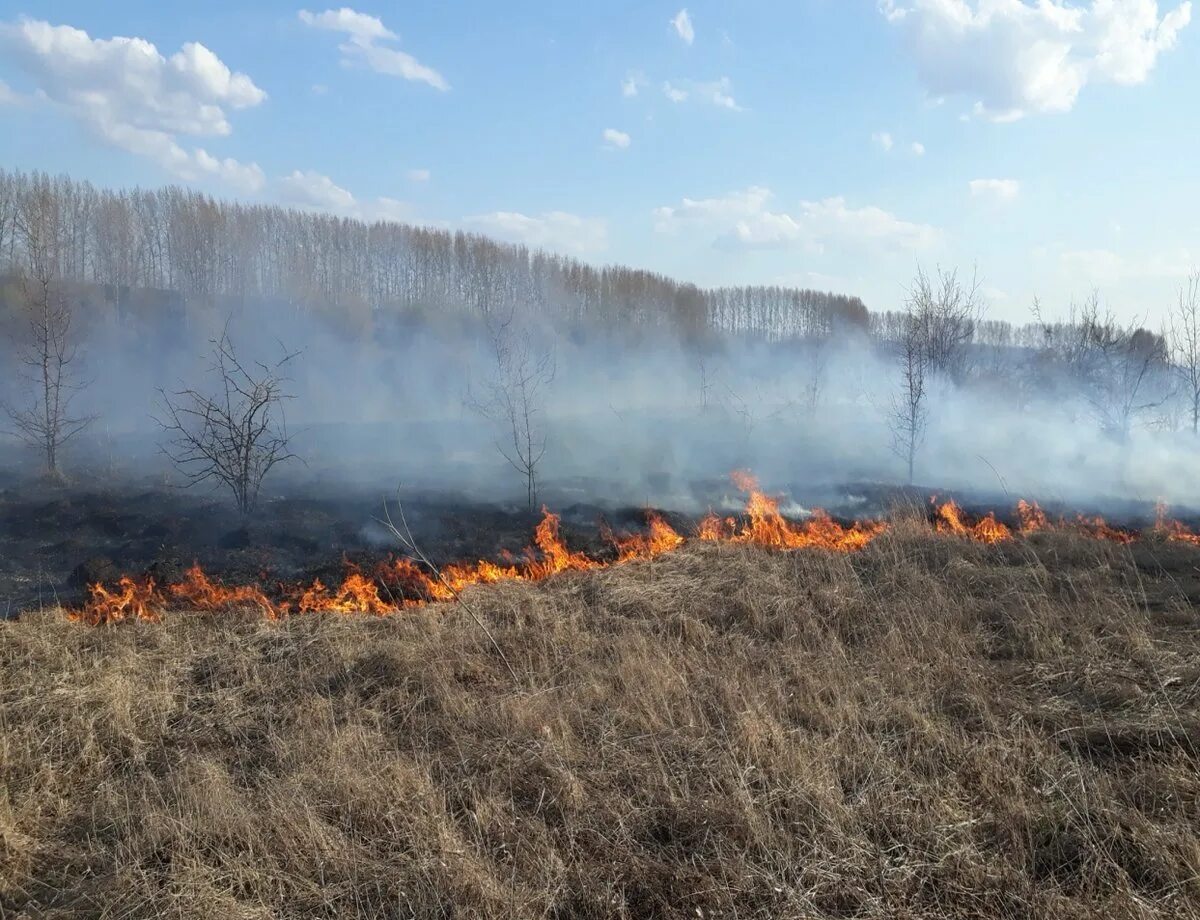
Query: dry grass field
928	728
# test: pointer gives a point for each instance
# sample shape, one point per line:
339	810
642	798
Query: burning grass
402	584
930	727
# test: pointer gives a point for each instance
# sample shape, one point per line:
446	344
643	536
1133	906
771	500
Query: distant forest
208	251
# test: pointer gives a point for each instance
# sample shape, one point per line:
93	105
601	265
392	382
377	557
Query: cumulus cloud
632	85
555	230
313	191
308	189
132	97
995	189
1014	59
742	220
616	140
674	93
717	92
367	44
917	148
883	140
682	24
734	205
418	175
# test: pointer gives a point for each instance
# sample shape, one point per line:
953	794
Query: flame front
950	519
401	584
765	526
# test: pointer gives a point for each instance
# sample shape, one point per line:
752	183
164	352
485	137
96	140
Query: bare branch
237	436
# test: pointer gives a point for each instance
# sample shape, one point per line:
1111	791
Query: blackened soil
55	542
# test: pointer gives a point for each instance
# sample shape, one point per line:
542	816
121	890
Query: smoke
626	420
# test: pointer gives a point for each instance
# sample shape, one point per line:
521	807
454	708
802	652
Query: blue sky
768	141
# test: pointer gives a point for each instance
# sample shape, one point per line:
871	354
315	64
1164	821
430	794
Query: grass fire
401	584
609	461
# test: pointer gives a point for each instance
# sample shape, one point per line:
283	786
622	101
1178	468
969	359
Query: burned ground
928	728
58	541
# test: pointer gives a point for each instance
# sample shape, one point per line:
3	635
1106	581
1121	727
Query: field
930	727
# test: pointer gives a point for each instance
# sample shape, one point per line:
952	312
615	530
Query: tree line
207	250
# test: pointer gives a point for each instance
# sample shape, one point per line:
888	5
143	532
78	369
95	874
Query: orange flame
765	526
400	584
950	519
660	538
1032	517
1174	531
198	592
130	599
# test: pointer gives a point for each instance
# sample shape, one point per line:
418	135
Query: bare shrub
236	435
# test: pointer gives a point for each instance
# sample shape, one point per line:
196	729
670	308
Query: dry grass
926	729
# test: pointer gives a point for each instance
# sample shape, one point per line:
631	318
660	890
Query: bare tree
237	435
1120	369
936	329
946	312
818	371
705	384
49	351
909	411
514	398
1185	344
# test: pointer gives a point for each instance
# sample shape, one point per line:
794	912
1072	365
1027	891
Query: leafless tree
946	312
818	371
1121	369
909	412
206	249
936	329
706	384
514	395
1185	345
236	435
49	351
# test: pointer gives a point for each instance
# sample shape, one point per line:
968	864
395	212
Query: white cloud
883	140
1015	59
728	207
683	26
314	191
717	92
674	93
9	96
388	209
365	38
418	175
308	189
555	230
632	85
995	189
1104	266
917	148
616	140
134	98
742	221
